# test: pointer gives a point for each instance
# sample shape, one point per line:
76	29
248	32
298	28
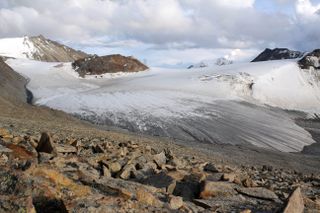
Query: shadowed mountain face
96	65
277	54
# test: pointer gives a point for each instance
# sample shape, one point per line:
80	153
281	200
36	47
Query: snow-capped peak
38	48
211	63
17	47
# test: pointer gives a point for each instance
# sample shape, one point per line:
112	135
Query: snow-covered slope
17	47
213	105
38	48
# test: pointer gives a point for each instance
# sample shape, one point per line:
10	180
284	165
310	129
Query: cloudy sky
168	32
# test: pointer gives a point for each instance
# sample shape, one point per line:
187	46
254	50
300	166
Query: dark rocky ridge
277	54
311	60
52	51
96	65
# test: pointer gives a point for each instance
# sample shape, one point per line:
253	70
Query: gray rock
209	167
258	192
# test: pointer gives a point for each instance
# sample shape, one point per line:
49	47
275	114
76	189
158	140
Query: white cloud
164	24
306	8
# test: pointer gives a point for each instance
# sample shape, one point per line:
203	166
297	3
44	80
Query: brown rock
114	167
127	171
4	132
295	203
95	65
248	182
213	189
246	211
45	144
106	172
160	159
17	140
125	194
228	177
177	175
147	198
175	202
64	148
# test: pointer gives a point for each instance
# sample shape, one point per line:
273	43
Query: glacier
247	103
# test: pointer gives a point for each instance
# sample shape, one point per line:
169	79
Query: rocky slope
44	172
38	48
95	65
12	85
311	60
277	54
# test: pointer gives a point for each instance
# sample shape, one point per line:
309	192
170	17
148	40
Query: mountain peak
277	54
38	48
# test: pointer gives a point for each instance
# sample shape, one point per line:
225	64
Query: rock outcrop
98	65
311	60
277	54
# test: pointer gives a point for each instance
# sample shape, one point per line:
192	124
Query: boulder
45	144
175	202
145	197
17	140
228	177
160	159
295	203
106	171
214	189
248	182
209	167
162	181
4	132
127	171
258	192
114	167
